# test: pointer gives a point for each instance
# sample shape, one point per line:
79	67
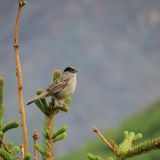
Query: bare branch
111	147
19	76
35	138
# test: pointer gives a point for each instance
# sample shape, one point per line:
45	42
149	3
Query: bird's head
70	70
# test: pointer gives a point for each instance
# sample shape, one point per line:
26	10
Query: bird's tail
42	95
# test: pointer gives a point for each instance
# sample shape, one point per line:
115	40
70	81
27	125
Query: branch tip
21	3
35	135
111	147
16	46
95	130
1	80
22	150
35	138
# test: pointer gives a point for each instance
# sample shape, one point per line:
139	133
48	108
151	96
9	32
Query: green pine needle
41	150
1	135
144	147
15	150
91	156
27	156
40	105
10	125
10	145
60	131
60	137
46	134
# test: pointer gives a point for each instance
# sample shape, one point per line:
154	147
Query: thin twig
22	150
35	138
19	76
111	147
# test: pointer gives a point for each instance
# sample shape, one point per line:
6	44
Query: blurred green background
145	121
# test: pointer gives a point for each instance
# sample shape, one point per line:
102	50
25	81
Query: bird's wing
58	84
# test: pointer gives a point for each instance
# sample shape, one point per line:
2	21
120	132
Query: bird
62	88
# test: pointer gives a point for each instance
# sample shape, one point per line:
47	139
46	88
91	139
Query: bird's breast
68	90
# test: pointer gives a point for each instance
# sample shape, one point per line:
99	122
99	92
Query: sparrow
61	88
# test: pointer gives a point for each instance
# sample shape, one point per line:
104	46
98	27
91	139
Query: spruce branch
91	156
5	155
19	75
50	109
144	147
6	147
10	145
60	131
15	150
60	137
41	150
48	142
60	134
42	100
126	145
40	105
46	134
127	148
47	129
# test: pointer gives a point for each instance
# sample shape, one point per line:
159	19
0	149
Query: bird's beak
75	71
